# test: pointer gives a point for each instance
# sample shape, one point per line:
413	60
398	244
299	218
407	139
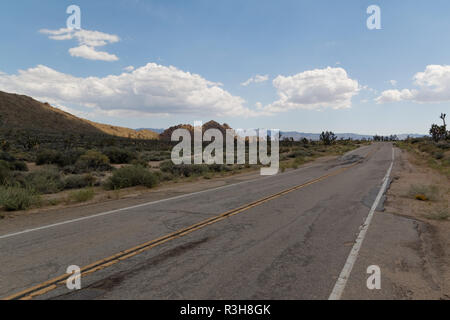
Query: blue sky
323	68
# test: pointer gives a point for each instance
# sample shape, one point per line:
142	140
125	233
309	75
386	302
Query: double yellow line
52	284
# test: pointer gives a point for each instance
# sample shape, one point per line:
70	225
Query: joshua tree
439	132
443	115
328	137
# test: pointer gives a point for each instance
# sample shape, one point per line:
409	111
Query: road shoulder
407	240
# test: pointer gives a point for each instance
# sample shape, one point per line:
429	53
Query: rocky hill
21	112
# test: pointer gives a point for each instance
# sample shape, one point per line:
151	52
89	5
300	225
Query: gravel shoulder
409	239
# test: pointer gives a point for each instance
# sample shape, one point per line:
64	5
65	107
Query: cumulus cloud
393	83
152	89
87	40
90	53
433	85
314	89
395	95
129	68
256	79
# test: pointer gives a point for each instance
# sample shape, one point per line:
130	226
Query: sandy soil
434	248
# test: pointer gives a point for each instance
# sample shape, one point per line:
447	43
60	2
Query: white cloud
88	41
393	83
129	68
256	79
152	89
433	85
90	53
314	89
394	95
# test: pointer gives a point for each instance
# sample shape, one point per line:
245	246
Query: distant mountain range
316	136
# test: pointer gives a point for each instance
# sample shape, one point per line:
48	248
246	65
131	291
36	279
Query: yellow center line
52	284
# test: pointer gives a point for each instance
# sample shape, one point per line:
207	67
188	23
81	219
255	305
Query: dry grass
424	192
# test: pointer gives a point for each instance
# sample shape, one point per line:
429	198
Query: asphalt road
291	246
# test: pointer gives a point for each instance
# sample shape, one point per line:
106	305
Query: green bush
119	156
156	155
92	161
164	176
48	157
6	156
79	181
68	157
131	176
81	195
16	198
5	172
140	162
18	165
13	163
47	180
167	166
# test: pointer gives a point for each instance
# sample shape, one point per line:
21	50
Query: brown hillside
24	113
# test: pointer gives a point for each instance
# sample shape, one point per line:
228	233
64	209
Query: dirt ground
432	221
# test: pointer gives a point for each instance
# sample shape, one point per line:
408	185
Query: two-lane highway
287	236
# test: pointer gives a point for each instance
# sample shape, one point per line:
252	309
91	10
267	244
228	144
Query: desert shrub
424	193
16	198
13	163
438	155
131	176
92	161
79	181
18	165
68	157
189	170
119	156
5	172
140	162
219	168
48	157
167	166
71	156
300	153
164	176
47	180
444	145
156	155
81	195
6	156
427	147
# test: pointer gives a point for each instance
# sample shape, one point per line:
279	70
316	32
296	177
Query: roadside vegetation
434	150
45	169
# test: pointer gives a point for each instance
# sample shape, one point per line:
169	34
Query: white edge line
341	282
142	205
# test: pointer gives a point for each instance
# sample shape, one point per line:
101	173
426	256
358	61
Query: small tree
328	137
439	132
